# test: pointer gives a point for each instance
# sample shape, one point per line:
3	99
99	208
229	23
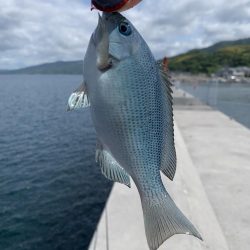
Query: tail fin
163	219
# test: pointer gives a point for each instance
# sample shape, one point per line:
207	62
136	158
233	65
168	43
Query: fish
130	99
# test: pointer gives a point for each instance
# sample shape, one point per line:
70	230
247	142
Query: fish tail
163	219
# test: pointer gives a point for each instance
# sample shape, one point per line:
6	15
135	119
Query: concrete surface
220	149
121	225
212	186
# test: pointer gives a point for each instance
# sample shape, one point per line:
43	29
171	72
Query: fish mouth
101	41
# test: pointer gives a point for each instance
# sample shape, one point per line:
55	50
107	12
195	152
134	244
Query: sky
39	31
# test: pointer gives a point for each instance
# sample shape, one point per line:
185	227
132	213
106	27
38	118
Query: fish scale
129	94
130	120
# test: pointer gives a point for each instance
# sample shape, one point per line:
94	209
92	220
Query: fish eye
125	29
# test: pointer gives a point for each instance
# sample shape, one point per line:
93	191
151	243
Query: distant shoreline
197	61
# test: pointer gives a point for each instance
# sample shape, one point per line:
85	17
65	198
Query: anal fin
110	168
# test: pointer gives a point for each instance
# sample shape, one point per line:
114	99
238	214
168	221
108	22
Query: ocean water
231	98
51	191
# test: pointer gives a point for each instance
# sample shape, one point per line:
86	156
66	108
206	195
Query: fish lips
101	42
105	59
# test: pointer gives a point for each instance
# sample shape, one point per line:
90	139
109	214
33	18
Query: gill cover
114	39
121	44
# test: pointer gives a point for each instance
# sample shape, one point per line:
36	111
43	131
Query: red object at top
109	6
114	5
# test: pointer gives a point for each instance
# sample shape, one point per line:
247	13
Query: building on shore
234	74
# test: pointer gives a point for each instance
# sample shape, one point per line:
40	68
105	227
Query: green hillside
209	60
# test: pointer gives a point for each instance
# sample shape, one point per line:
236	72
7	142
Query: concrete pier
211	186
220	149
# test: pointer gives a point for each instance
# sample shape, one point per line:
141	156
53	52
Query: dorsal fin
168	161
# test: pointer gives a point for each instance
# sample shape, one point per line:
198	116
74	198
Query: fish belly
128	115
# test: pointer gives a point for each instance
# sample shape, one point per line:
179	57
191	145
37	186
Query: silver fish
130	99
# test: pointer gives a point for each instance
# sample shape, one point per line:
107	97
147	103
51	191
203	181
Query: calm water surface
51	190
231	99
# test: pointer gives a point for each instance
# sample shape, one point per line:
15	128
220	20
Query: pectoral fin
110	168
78	99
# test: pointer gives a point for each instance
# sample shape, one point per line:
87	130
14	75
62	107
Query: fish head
115	39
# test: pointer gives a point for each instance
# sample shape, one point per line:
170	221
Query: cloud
172	28
236	12
33	32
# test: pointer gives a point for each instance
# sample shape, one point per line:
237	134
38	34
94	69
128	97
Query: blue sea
233	99
51	190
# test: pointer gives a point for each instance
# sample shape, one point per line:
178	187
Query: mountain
73	67
211	59
207	60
